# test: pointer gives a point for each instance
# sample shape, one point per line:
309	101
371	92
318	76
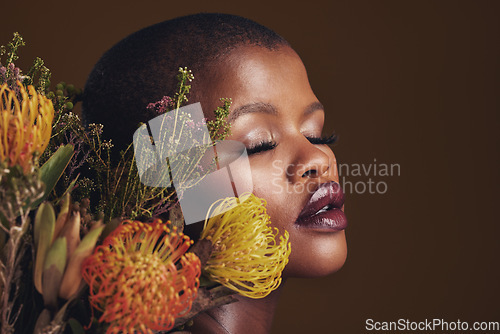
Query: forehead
252	74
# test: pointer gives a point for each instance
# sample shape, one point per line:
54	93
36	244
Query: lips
324	210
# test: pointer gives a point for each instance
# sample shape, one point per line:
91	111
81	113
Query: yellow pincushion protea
141	277
25	126
246	256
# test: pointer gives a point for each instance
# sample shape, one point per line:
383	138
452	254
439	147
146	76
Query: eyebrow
313	107
260	107
267	108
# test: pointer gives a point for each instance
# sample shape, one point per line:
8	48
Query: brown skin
286	176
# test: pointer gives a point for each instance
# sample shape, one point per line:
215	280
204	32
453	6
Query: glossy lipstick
324	212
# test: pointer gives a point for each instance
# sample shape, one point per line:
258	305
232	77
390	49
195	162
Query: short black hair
142	68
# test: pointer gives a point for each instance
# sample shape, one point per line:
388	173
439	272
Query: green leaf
44	232
69	189
46	217
52	170
76	327
89	241
56	256
53	269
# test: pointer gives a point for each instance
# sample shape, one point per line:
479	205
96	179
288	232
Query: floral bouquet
85	244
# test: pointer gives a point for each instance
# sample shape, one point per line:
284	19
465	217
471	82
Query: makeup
323	212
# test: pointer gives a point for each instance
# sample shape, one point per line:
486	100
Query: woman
274	113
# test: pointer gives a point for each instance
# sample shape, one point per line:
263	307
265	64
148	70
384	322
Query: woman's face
277	116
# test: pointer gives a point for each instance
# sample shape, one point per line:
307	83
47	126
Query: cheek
269	182
315	254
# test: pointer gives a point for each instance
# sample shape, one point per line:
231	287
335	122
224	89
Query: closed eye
261	147
264	146
328	140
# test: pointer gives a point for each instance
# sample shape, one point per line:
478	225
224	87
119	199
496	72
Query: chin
318	256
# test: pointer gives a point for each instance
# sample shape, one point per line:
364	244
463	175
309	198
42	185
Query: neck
244	316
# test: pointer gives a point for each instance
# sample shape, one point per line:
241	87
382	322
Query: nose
310	162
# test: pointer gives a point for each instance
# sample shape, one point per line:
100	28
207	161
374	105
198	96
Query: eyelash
261	147
269	145
327	140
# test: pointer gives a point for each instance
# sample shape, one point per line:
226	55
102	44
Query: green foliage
76	327
52	170
13	46
38	70
220	128
116	186
22	190
64	98
18	190
38	75
184	77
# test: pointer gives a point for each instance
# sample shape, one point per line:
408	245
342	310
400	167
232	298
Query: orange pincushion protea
141	278
25	125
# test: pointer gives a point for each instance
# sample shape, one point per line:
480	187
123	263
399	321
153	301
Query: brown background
409	82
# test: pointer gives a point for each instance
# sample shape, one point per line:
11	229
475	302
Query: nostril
310	172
